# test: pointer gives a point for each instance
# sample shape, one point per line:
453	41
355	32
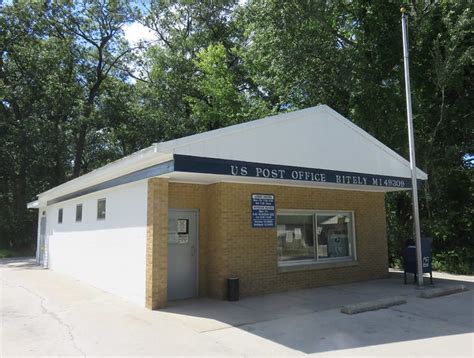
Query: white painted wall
109	254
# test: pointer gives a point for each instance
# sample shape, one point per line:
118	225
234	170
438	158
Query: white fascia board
420	174
136	161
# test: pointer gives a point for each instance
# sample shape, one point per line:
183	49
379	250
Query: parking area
46	313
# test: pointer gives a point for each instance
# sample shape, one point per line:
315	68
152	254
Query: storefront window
315	236
295	237
334	235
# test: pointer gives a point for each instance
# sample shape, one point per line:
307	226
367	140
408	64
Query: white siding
109	254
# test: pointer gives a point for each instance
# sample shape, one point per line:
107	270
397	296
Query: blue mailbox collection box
409	258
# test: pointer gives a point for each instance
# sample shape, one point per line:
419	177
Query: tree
96	30
192	38
51	77
37	103
442	78
223	101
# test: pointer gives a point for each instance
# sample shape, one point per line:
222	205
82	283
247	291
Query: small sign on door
183	239
183	226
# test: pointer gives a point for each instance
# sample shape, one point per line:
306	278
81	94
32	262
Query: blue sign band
193	164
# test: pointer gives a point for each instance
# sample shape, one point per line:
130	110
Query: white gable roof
316	137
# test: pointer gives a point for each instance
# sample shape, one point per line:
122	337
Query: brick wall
252	253
157	244
230	246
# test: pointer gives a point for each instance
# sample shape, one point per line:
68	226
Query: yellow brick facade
157	244
228	245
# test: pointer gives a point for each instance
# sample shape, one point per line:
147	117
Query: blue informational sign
263	210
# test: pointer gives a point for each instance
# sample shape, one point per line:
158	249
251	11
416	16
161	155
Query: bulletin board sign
263	210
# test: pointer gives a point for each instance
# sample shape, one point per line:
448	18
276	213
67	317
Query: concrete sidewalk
45	313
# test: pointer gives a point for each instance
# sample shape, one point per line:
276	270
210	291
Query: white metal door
182	254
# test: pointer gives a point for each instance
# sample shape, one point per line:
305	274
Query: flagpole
411	143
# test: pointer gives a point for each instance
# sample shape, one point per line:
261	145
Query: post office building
285	202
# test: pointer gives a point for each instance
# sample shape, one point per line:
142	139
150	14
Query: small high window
78	213
60	216
101	208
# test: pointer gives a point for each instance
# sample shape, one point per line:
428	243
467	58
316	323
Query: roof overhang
202	170
314	147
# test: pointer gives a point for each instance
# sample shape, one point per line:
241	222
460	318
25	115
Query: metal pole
411	143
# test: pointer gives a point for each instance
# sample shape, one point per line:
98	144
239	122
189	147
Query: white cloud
136	32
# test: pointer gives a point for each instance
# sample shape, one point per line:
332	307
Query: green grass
4	253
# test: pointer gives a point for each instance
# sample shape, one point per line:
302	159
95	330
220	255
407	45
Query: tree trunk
80	146
20	200
59	171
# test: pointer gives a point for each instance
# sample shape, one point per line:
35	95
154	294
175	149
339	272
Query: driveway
46	313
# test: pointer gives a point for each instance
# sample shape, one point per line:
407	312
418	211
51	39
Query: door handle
193	250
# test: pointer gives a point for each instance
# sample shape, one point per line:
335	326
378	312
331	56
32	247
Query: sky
134	32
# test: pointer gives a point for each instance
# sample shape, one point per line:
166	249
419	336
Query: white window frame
314	214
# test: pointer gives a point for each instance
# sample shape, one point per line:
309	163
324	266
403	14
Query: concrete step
442	291
373	305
